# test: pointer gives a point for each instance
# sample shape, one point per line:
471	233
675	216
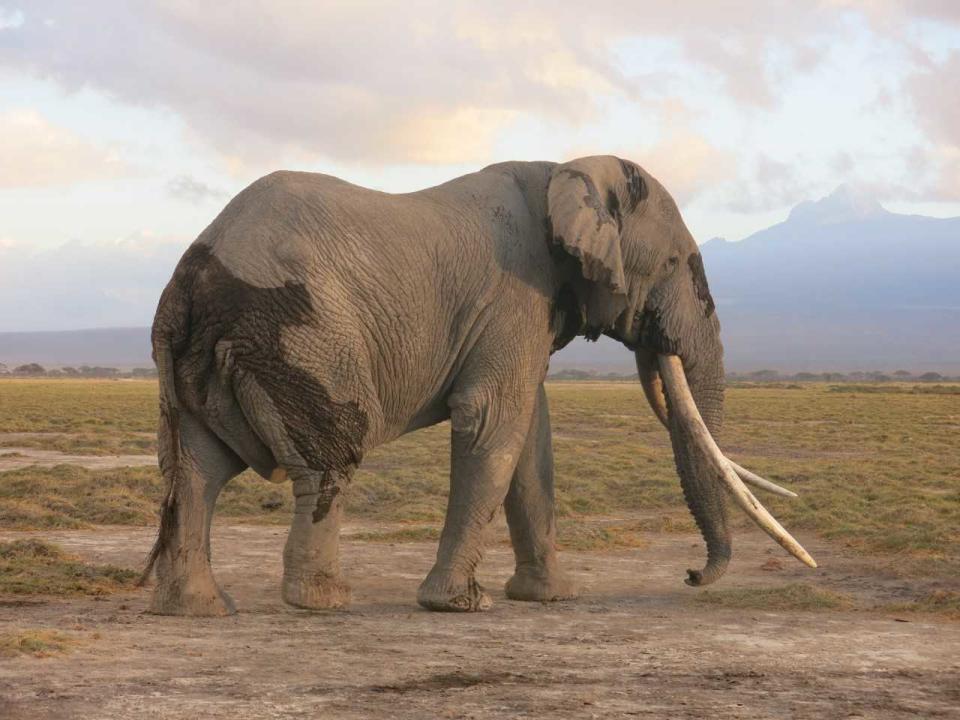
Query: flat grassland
877	468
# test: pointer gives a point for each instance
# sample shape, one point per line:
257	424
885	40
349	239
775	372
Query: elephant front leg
481	467
311	558
530	514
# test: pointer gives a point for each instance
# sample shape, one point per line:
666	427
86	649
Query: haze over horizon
841	284
125	128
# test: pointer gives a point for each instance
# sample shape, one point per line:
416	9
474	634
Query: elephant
314	320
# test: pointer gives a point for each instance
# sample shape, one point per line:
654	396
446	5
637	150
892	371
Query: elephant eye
671	264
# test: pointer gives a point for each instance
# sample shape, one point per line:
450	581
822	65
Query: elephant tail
168	438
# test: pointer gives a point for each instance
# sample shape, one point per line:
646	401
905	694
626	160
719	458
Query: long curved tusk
671	370
752	478
279	475
652	387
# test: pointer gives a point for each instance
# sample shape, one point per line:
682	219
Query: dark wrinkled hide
636	188
567	317
653	335
328	493
592	198
613	207
209	306
700	283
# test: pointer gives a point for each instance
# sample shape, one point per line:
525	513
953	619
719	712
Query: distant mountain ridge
123	348
841	285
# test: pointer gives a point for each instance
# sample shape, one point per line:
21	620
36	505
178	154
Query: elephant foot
193	599
539	586
315	591
443	592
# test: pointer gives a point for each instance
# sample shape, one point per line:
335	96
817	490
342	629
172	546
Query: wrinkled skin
314	320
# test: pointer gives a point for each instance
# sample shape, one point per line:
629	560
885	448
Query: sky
125	127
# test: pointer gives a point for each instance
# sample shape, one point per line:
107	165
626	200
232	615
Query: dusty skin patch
636	644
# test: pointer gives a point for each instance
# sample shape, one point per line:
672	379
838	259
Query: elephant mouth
665	386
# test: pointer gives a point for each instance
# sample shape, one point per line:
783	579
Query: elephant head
637	276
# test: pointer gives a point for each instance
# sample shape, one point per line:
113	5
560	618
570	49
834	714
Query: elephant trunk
690	404
705	497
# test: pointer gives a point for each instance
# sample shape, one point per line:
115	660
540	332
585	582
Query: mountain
123	348
842	284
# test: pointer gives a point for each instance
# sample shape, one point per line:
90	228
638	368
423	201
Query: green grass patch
33	567
38	643
794	596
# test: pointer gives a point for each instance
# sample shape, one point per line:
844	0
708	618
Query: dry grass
579	534
83	417
805	596
945	603
876	471
411	533
33	567
794	596
38	643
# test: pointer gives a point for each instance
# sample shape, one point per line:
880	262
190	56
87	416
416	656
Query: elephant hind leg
311	558
197	467
311	563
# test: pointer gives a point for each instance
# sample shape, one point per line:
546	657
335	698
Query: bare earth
14	458
635	644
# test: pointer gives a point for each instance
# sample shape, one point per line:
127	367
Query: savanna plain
874	632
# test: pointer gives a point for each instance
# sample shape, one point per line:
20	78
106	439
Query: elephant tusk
652	386
653	389
279	475
682	403
751	478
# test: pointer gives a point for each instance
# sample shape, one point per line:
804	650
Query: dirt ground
636	644
14	458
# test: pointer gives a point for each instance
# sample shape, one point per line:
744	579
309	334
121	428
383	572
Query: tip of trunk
712	572
714	569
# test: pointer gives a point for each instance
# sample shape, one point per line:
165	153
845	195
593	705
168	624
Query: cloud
35	152
686	163
382	82
770	184
935	94
10	18
77	285
187	188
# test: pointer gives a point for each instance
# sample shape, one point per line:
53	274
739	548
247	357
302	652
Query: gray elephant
314	320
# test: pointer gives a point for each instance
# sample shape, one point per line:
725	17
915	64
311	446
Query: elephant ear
583	226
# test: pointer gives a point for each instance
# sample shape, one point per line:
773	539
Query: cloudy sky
125	127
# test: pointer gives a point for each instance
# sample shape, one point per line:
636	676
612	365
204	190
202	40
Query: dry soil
636	644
